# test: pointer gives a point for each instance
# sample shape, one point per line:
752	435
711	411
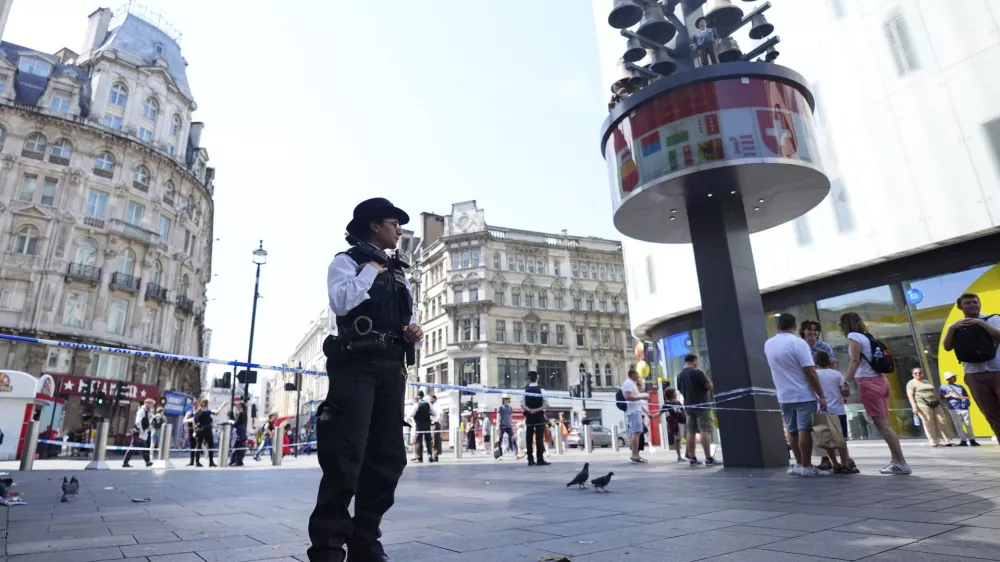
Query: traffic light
589	387
468	405
241	377
120	389
99	398
227	379
253	411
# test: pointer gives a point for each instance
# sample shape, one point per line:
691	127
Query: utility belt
361	340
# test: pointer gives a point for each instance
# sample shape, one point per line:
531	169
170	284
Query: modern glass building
908	119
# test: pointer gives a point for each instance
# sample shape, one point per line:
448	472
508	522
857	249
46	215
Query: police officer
534	418
358	426
422	415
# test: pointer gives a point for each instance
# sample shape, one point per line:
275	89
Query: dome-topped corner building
908	128
106	212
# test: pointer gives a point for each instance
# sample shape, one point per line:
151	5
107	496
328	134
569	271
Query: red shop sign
134	392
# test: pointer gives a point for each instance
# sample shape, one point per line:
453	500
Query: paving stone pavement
482	511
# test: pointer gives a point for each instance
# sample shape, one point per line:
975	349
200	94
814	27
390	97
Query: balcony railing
134	232
156	292
88	273
185	304
125	281
94	222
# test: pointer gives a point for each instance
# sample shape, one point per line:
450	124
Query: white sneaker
794	470
810	471
896	468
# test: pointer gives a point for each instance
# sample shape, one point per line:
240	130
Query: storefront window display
909	317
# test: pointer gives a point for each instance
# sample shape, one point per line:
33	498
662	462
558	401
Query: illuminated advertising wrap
728	123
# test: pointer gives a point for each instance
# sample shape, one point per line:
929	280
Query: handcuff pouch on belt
362	340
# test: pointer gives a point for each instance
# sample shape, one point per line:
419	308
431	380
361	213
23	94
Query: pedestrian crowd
810	388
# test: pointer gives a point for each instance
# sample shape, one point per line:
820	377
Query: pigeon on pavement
69	489
602	482
581	478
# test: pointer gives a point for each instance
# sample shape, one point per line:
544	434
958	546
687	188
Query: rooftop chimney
97	30
195	134
4	12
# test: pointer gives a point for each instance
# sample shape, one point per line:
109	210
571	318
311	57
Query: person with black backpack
870	360
203	422
975	340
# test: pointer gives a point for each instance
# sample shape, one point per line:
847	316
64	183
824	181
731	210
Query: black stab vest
390	305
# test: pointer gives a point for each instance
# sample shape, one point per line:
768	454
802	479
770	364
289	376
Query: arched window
36	143
141	175
126	262
119	94
609	379
583	368
607	368
150	109
86	252
156	274
496	261
62	149
105	162
182	291
26	241
175	125
168	192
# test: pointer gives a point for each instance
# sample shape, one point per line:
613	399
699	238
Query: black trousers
510	438
136	442
424	436
205	438
535	430
437	439
360	451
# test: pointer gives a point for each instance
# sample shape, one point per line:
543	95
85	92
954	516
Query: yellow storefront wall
988	289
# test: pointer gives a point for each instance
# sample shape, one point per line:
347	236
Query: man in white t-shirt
633	412
983	378
799	391
835	389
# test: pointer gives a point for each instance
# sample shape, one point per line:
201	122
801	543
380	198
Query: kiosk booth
22	398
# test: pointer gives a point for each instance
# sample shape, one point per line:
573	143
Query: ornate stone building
106	210
496	302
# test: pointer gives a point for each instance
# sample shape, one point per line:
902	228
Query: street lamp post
259	258
298	406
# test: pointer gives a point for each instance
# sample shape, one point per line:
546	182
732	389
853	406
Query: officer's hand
378	267
413	333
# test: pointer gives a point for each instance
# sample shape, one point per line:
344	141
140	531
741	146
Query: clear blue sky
313	106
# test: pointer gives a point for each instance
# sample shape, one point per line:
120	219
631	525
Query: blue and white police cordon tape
725	395
156	449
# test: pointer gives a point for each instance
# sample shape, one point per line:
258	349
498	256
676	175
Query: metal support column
225	446
166	438
30	446
614	439
279	445
100	448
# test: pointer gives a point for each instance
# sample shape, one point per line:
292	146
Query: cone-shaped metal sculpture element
759	27
721	14
654	26
772	54
728	50
663	64
626	13
634	51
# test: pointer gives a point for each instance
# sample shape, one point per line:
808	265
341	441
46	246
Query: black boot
197	459
193	459
211	459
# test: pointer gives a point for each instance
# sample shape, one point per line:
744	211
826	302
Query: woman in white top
872	387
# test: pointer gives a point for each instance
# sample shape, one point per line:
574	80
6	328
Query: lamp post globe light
259	258
706	144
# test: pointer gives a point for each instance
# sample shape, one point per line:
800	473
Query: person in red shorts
872	386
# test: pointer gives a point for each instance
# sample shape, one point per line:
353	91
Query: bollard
30	446
664	438
588	439
559	442
225	434
614	438
100	448
279	445
456	442
163	460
